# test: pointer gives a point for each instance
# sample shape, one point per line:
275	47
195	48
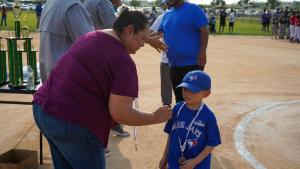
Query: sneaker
118	130
165	104
107	152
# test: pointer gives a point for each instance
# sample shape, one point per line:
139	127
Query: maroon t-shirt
79	87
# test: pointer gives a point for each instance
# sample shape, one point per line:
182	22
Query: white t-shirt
154	28
231	17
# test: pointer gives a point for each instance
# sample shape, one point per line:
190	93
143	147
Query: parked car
24	7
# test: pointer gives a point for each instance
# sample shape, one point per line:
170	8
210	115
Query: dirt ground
247	74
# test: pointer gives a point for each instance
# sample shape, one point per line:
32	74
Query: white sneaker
107	153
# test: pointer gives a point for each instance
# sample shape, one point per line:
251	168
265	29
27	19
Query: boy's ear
207	93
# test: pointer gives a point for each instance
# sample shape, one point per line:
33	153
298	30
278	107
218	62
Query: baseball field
255	97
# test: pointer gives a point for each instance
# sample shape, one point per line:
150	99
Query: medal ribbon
182	147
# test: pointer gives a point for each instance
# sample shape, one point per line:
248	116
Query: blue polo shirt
181	28
204	132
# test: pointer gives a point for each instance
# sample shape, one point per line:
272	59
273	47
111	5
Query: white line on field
240	129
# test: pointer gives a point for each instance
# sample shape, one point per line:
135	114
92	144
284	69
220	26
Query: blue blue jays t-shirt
181	28
204	132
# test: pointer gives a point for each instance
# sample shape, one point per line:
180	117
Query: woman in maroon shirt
90	90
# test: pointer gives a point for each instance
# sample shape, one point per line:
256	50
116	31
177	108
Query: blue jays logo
193	77
199	123
192	143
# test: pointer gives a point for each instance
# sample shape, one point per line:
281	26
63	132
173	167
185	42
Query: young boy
193	130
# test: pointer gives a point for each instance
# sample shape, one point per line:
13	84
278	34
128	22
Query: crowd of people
223	16
285	23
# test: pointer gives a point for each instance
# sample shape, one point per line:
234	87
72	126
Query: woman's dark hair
130	17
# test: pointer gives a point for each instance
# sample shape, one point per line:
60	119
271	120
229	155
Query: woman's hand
162	114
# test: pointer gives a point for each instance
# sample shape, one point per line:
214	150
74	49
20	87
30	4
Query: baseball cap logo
193	77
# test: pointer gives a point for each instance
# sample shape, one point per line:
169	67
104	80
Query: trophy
25	31
17	13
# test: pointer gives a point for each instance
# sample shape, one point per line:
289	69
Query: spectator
152	16
223	16
102	13
38	12
62	22
282	24
4	15
268	20
185	32
293	19
165	81
264	20
275	22
231	20
212	23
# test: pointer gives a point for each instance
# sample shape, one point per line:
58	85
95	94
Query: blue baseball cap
196	81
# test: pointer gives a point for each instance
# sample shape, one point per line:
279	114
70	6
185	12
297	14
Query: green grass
243	26
27	17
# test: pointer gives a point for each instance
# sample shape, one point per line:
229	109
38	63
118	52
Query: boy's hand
189	164
163	163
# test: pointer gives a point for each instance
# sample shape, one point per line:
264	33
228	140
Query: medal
182	146
181	160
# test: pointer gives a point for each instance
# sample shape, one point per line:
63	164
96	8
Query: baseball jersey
204	132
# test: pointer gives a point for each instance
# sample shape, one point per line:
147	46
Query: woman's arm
121	110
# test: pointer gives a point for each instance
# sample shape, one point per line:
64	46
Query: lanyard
135	128
182	147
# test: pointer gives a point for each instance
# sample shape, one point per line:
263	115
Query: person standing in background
186	39
152	16
62	22
223	16
102	13
264	20
38	12
282	24
268	19
231	20
275	22
4	15
165	81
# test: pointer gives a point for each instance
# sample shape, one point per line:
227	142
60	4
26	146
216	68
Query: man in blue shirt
38	12
186	35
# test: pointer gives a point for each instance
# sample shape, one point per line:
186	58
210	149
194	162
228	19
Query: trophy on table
15	53
25	29
17	13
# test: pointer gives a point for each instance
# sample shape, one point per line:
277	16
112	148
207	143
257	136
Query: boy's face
194	98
